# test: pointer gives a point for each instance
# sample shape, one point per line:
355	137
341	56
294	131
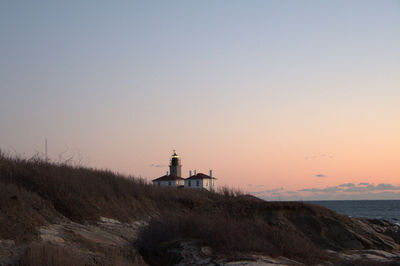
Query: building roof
168	178
200	176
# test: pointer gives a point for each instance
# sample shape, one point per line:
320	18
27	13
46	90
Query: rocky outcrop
348	241
9	252
190	252
95	243
378	256
330	230
98	242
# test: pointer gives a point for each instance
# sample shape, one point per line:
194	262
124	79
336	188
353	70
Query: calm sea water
373	209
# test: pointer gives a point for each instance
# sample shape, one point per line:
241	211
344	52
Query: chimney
167	172
210	173
194	172
190	173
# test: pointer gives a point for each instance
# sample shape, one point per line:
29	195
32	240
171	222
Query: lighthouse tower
175	165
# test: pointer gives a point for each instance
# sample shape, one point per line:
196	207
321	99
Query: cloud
268	191
350	187
157	165
320	175
346	191
387	187
347	185
327	189
277	189
253	185
366	187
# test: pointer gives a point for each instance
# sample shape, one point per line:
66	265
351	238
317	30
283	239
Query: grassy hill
35	193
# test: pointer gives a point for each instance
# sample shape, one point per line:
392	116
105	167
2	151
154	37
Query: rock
374	257
51	234
9	252
370	255
257	263
380	253
104	243
89	240
258	260
206	251
106	220
189	252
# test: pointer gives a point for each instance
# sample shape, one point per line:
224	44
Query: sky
288	100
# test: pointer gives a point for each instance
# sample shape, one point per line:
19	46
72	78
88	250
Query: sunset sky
285	99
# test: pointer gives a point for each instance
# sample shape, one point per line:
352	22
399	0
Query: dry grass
46	254
50	255
81	194
227	236
84	194
34	192
22	212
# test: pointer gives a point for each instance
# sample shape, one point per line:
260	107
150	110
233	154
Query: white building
169	181
174	179
201	181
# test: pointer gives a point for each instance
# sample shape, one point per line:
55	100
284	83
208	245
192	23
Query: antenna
45	150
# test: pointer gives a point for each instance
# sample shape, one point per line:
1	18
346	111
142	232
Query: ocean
373	209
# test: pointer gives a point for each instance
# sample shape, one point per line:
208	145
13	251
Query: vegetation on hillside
34	192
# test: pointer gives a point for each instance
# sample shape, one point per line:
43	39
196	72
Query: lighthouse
174	177
175	165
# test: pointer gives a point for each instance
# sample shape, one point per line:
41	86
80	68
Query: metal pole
45	149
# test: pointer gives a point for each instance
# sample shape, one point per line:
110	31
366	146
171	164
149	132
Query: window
159	183
169	183
197	183
190	184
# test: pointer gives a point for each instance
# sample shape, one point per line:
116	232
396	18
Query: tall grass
81	194
35	192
